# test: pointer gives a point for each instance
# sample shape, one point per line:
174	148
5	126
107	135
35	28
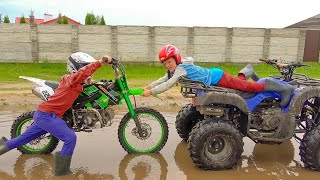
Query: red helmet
169	51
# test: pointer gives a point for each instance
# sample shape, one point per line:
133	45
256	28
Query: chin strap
170	74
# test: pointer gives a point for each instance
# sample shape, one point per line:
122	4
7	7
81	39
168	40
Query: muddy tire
310	149
44	144
215	145
153	125
186	119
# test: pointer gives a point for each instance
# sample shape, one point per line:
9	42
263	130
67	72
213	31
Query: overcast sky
211	13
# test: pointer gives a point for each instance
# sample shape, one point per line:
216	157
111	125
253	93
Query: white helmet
78	60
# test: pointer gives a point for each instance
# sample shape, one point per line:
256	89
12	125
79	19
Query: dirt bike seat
53	84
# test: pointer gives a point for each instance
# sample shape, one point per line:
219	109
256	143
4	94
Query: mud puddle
98	155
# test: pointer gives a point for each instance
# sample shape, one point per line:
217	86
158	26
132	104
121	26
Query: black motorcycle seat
53	84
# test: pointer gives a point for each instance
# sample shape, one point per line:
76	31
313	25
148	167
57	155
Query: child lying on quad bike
170	56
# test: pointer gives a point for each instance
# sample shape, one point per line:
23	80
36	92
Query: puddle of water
98	155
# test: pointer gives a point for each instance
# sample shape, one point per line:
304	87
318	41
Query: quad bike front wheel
154	129
310	149
44	144
215	144
186	119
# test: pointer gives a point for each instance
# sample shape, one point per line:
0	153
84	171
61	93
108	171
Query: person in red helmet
177	66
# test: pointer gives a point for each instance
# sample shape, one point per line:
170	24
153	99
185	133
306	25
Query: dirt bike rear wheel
44	144
153	124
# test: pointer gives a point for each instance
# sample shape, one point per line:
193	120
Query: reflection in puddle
134	166
107	160
266	161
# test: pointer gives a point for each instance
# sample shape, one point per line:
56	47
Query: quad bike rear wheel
310	149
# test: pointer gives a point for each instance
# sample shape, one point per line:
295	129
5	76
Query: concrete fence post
152	44
190	46
266	44
301	45
114	41
228	50
34	41
74	39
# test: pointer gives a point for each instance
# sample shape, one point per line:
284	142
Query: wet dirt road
98	155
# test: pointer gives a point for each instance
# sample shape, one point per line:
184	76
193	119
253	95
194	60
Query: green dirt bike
141	130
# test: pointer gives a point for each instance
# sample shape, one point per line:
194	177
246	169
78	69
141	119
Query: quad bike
141	130
218	119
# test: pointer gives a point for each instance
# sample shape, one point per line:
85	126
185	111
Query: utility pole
0	18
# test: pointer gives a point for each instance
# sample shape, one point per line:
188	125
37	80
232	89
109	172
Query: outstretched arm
83	73
167	84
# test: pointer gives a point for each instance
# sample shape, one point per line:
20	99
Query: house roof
37	21
56	19
313	22
52	21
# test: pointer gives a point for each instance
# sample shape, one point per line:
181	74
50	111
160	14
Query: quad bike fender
287	126
222	98
301	97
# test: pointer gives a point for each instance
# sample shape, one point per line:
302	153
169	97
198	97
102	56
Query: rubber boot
284	90
249	72
3	147
62	164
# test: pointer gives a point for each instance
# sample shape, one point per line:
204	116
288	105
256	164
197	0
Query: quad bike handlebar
274	62
288	74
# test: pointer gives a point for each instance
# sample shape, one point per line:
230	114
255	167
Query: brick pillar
190	47
114	41
266	44
74	39
152	44
228	51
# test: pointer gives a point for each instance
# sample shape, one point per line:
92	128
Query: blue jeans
43	123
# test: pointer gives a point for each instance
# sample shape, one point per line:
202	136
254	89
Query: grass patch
139	74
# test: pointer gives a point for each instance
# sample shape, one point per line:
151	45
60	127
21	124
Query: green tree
96	19
88	20
102	22
6	19
22	19
59	19
65	20
91	19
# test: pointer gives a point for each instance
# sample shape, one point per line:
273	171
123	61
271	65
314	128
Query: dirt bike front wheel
155	132
44	144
